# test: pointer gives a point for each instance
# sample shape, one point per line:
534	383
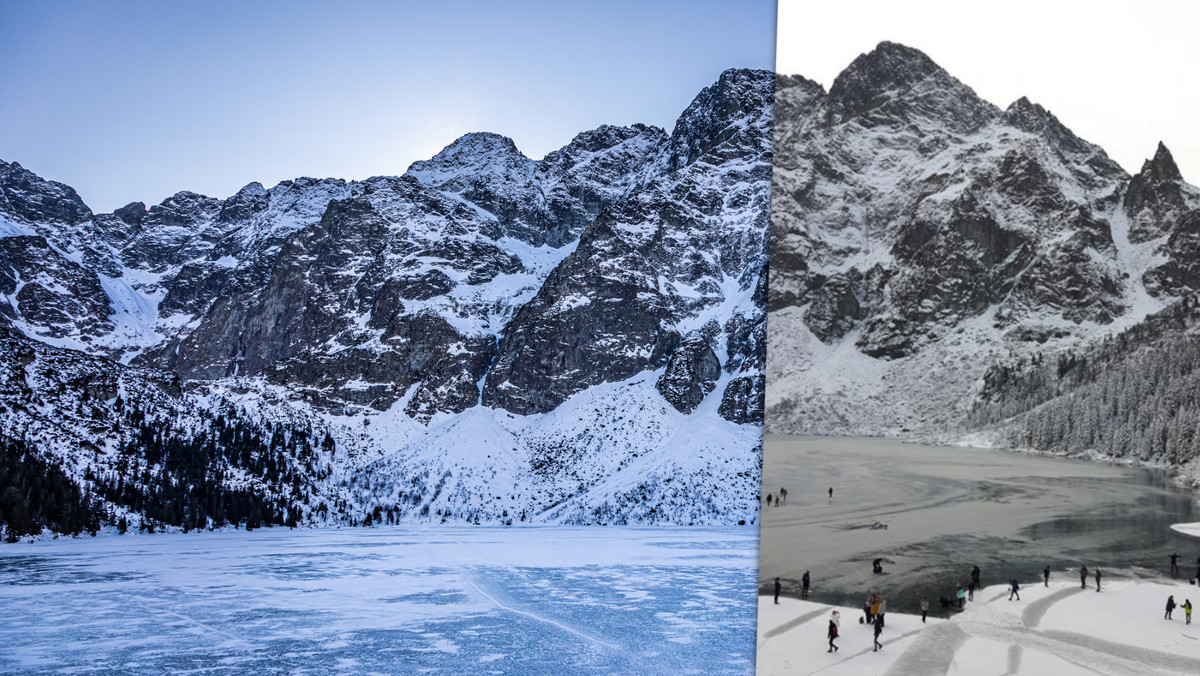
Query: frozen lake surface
384	600
947	509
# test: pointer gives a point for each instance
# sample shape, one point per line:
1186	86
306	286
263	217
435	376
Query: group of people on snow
1187	609
873	612
777	501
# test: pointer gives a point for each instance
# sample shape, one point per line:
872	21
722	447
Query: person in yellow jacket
1187	610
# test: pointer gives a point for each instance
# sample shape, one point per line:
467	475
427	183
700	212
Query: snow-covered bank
1192	529
1061	630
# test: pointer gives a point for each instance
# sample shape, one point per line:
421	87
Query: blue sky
129	101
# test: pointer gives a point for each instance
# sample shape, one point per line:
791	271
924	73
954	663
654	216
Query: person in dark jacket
1046	575
924	608
1174	564
832	634
1097	579
878	631
975	577
971	590
1170	607
1015	590
804	585
778	588
1083	576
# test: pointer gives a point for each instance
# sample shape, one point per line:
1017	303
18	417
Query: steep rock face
918	233
48	295
692	373
656	266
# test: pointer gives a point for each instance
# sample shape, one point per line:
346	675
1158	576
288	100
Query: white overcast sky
1121	74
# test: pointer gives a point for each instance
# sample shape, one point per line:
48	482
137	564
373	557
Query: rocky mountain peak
1161	167
717	113
30	197
1157	197
248	201
132	213
871	86
471	154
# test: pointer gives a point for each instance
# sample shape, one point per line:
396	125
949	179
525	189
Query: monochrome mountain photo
946	270
484	339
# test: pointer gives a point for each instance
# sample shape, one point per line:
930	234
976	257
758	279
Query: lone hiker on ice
804	585
1174	564
1097	579
878	631
778	587
1170	607
1046	575
830	492
1016	590
1083	575
924	608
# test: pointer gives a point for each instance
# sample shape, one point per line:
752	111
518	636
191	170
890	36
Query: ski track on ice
864	651
238	642
788	626
932	653
539	618
1032	616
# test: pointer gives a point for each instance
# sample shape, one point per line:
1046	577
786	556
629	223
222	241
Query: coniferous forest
1135	395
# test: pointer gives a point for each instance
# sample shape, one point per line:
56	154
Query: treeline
35	495
236	472
1123	398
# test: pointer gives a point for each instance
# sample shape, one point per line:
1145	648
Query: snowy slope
474	336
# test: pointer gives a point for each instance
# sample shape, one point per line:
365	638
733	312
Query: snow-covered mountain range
487	337
930	252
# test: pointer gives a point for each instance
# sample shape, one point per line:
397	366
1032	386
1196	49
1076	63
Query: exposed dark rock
692	372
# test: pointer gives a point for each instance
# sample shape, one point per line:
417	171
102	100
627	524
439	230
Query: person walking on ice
1097	579
778	588
1170	607
804	585
878	631
830	492
1187	611
1016	590
832	634
1083	576
1046	575
1175	564
782	497
924	608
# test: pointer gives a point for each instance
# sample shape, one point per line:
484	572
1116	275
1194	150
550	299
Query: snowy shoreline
1061	629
